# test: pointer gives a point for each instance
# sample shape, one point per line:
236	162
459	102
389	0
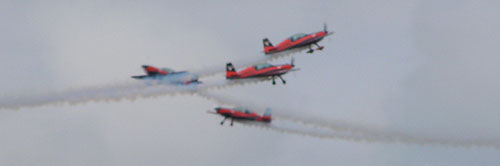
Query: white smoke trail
338	135
208	71
369	137
134	90
220	84
108	93
114	93
336	129
131	91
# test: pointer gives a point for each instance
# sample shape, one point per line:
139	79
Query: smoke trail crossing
134	90
114	93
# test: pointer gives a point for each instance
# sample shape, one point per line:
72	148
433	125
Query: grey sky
421	67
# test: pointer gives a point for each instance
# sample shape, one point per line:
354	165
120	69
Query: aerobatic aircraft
166	75
239	113
264	70
299	40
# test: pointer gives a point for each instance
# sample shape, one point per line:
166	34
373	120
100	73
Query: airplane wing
139	77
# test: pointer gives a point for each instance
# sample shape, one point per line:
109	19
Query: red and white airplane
264	70
242	114
299	40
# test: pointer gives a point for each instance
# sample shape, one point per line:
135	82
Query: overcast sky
426	68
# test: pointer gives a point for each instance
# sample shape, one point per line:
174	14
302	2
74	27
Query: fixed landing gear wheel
320	48
310	51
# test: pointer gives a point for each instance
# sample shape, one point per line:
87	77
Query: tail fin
266	117
267	112
268	46
230	71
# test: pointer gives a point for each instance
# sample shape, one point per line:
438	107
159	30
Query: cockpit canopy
262	66
168	70
241	109
297	36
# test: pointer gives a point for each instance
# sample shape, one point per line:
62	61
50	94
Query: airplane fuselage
252	72
238	115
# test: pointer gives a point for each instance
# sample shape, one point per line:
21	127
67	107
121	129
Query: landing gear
282	80
231	122
319	47
222	122
310	51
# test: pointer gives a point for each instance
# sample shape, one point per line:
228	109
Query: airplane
299	40
240	113
166	75
264	70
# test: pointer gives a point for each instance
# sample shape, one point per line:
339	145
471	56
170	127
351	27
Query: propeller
293	65
325	28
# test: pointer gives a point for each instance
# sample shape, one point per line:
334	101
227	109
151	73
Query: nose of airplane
217	109
287	67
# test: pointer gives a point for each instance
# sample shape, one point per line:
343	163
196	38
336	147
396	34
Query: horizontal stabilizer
267	112
139	77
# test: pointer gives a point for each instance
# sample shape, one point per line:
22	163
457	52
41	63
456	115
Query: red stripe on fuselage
151	69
